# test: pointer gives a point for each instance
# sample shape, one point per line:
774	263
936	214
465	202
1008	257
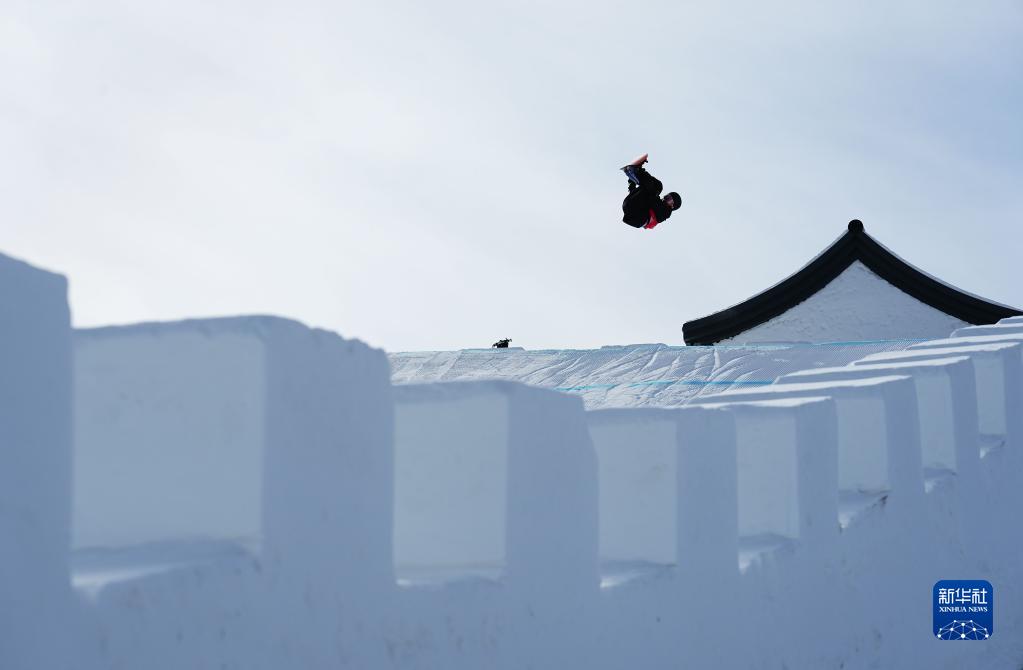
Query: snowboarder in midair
501	344
643	207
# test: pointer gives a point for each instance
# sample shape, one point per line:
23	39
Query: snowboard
638	162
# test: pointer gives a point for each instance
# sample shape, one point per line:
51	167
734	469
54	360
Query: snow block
328	479
998	380
947	415
878	436
667	481
495	479
947	412
787	464
999	328
35	467
970	341
255	430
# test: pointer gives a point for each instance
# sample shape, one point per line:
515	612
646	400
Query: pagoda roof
854	245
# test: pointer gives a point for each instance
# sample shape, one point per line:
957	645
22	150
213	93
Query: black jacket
647	196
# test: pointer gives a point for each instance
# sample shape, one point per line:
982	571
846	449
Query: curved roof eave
854	245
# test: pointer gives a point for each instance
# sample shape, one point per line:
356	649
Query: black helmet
676	199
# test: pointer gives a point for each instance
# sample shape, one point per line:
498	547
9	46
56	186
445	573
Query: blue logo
964	610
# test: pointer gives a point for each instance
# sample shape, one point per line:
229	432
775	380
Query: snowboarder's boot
632	172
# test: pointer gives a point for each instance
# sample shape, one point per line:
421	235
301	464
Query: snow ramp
635	375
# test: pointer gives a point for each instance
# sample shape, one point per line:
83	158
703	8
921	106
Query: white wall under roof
856	305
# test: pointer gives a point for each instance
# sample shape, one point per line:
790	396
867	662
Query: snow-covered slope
637	375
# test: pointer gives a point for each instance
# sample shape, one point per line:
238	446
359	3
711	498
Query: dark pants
637	205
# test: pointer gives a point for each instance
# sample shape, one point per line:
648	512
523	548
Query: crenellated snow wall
252	493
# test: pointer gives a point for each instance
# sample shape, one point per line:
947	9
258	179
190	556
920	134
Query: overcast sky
438	175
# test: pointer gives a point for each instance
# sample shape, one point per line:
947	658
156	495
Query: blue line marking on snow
584	388
666	382
864	342
708	382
